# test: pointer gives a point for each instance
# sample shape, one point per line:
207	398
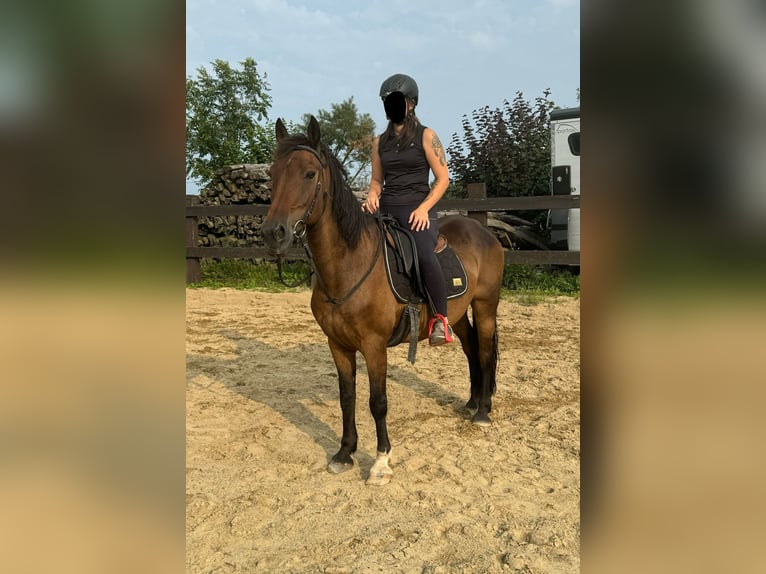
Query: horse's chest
336	324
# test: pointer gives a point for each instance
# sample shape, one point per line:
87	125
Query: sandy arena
263	418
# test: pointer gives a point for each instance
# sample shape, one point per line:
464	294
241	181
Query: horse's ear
281	129
314	135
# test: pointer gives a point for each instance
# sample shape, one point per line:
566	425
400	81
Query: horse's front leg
377	365
345	362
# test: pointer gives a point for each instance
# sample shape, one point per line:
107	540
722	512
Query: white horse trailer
564	224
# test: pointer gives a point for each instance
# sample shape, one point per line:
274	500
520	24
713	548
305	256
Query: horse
352	300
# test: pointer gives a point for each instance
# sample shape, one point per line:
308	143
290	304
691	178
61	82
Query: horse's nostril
279	232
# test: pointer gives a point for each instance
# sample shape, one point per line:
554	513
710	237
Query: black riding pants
425	241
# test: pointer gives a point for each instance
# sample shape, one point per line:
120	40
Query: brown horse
352	300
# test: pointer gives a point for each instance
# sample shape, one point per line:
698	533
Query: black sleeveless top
405	171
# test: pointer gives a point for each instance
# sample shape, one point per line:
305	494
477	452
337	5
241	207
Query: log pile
238	184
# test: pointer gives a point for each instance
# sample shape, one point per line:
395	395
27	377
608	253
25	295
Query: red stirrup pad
443	319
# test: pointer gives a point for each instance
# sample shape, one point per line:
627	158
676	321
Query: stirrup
443	335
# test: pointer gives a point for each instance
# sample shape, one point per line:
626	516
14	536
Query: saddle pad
455	279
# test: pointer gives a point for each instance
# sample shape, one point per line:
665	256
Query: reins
299	230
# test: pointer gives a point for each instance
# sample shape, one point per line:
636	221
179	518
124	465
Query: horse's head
296	183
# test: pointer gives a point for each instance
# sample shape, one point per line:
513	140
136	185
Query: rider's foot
439	331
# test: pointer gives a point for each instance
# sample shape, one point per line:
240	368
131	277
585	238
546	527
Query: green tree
349	136
223	111
508	148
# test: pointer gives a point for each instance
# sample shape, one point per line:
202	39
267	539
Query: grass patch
526	298
525	284
244	274
532	284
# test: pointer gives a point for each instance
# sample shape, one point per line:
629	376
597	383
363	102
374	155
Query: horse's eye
310	174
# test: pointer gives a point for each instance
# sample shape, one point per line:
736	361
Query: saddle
403	272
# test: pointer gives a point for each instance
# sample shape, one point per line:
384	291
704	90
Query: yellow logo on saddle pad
457	282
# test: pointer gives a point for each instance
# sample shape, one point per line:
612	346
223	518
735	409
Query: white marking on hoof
381	473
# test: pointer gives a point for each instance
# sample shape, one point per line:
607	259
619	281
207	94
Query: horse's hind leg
345	362
485	323
466	332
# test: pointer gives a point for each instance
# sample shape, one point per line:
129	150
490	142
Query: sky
463	54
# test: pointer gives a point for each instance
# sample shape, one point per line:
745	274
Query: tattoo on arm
436	144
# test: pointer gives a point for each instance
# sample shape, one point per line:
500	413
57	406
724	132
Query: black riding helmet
393	93
400	83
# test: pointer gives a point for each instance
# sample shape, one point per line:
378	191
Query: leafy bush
541	279
508	149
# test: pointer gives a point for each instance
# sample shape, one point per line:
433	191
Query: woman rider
402	157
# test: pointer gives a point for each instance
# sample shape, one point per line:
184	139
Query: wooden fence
477	205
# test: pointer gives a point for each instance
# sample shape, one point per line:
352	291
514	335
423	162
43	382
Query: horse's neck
333	258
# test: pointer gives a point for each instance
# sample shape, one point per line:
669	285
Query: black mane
346	209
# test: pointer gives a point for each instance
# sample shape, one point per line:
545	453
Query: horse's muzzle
276	236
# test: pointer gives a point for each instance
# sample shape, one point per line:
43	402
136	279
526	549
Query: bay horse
352	300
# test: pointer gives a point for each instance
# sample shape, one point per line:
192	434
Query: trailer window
574	143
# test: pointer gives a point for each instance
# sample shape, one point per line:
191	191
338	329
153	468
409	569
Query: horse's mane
346	209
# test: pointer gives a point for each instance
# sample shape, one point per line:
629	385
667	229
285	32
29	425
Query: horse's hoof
379	479
340	465
471	406
380	473
481	420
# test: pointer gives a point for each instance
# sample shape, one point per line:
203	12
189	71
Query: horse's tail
493	362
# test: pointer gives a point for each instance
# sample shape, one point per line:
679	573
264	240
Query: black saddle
403	273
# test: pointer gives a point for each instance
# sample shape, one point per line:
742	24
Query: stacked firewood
238	184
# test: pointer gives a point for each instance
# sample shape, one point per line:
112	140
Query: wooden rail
477	205
470	205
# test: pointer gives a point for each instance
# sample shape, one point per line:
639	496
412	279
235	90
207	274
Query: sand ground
263	418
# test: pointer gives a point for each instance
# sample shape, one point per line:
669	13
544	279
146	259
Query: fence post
478	191
192	263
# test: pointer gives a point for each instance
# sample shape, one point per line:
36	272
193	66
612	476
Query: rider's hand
418	219
371	203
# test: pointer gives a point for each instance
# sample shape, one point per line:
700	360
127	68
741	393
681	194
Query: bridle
299	230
